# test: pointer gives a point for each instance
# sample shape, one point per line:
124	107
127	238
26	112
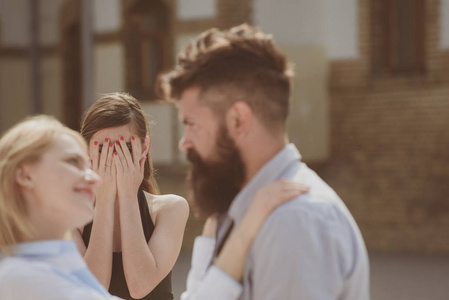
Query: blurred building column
87	54
300	33
35	57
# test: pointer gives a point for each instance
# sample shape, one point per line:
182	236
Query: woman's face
63	185
114	134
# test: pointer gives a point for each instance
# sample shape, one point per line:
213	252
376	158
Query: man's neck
256	155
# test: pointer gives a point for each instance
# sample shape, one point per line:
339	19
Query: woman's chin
84	218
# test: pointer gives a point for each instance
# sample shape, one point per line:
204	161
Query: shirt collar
43	248
271	171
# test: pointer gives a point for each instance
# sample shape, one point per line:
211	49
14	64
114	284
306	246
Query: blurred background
369	111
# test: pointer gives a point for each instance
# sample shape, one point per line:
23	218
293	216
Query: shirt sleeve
204	283
38	282
296	256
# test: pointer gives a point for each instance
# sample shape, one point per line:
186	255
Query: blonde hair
22	144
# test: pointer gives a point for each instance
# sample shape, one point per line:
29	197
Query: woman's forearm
235	251
140	267
98	255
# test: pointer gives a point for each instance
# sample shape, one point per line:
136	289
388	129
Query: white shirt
205	283
48	270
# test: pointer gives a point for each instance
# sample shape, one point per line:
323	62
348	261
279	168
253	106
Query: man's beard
214	185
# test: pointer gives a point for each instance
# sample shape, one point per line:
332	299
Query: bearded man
232	88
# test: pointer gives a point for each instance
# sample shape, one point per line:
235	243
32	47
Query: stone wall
389	145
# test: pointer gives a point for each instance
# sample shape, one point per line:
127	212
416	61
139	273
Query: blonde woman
47	188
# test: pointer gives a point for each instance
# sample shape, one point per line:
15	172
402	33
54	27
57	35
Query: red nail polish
115	152
122	138
110	144
117	142
106	140
133	138
95	143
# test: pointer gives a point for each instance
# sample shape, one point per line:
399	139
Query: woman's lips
87	191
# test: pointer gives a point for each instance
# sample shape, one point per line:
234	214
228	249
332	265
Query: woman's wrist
104	201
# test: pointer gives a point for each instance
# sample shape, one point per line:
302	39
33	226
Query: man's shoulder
320	211
321	202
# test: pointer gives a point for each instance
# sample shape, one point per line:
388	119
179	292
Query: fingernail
116	142
133	138
95	143
121	138
115	152
110	144
106	140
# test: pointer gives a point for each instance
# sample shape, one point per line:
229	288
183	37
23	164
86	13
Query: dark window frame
135	38
388	37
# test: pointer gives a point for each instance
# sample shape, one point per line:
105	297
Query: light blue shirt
48	270
308	248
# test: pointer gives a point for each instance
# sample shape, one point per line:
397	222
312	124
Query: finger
117	163
136	148
297	186
110	153
125	150
304	188
114	165
93	154
104	154
293	192
121	157
290	184
142	165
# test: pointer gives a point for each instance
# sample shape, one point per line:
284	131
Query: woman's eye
74	161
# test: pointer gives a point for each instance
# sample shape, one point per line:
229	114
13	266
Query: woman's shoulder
166	204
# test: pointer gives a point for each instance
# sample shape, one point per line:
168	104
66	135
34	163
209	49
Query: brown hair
22	144
118	109
241	63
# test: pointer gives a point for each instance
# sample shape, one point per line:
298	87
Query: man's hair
240	64
24	143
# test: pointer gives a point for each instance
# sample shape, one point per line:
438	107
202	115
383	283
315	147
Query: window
146	42
397	35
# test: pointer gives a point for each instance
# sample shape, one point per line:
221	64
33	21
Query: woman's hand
271	196
102	164
129	167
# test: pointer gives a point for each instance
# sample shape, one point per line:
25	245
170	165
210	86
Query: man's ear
23	178
239	118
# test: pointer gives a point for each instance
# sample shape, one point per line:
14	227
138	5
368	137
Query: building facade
369	110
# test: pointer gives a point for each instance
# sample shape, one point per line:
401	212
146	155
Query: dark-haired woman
136	234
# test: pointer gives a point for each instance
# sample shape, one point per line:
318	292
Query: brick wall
390	146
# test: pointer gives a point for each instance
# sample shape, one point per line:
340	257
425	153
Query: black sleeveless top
118	286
